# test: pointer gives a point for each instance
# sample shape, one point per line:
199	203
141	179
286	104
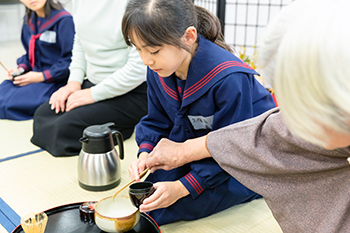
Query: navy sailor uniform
48	43
220	90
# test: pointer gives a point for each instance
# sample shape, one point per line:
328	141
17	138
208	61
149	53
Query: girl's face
164	60
36	5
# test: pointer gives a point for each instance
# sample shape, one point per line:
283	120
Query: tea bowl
116	216
139	191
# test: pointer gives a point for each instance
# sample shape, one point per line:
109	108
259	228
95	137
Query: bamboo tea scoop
132	181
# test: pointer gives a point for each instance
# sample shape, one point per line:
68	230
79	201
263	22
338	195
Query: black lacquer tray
66	219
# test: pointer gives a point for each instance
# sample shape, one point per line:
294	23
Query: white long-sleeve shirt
100	53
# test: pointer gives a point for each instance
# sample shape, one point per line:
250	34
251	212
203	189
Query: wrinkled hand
58	98
28	78
166	194
79	98
138	166
166	155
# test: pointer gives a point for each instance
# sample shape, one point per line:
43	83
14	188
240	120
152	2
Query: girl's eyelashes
155	52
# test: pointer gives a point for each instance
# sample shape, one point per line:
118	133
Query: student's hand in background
58	99
166	194
138	166
79	98
9	72
28	78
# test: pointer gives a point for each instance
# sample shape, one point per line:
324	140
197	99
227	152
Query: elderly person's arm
168	154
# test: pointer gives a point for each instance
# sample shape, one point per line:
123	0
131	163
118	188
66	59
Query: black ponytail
209	26
158	22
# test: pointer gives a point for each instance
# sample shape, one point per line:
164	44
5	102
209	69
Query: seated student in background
114	89
47	37
297	157
196	85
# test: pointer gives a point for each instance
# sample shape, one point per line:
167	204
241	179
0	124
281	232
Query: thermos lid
98	131
97	139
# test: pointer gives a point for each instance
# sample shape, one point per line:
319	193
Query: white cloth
100	53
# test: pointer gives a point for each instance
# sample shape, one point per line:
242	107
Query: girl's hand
9	72
138	166
79	98
58	99
28	78
17	71
166	194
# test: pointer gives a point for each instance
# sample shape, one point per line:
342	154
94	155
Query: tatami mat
2	230
15	138
48	181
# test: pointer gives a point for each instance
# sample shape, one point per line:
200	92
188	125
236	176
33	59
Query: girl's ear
190	36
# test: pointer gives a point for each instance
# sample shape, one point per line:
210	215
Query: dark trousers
59	134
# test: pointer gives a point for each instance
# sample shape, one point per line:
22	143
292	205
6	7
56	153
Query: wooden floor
32	180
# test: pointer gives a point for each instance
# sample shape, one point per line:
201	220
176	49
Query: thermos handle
119	138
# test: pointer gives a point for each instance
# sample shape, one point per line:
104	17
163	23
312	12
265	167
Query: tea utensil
4	66
34	223
132	181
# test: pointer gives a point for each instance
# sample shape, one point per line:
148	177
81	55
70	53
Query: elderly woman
295	156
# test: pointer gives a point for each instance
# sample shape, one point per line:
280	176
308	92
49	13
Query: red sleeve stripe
146	146
24	66
194	183
48	75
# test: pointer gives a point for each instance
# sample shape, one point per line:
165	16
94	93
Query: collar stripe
31	25
168	90
211	75
53	19
204	81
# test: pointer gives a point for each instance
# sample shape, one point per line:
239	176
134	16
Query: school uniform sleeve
155	125
59	71
23	61
236	101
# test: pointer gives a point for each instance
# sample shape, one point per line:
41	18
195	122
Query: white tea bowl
116	216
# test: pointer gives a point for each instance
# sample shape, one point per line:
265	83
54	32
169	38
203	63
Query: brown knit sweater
306	187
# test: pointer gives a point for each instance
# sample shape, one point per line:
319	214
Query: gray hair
311	74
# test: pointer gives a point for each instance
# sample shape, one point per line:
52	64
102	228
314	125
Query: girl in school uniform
195	85
47	37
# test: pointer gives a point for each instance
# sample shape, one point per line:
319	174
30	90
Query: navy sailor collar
47	22
210	64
